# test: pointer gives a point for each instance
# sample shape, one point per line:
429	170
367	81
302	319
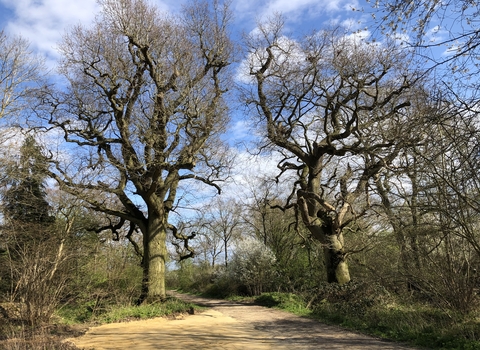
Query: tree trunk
335	262
154	258
333	250
324	229
225	246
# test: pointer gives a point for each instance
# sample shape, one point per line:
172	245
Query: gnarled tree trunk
154	259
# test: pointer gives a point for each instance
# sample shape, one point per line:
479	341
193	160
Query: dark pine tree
26	219
25	200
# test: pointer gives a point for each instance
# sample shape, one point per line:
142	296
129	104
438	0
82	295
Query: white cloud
287	53
357	37
351	24
298	13
11	138
249	172
297	6
44	22
240	131
401	38
352	5
436	35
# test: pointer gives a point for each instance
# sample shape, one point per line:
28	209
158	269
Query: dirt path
227	325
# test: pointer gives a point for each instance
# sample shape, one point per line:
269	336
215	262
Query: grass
171	307
415	324
286	301
75	314
421	325
72	320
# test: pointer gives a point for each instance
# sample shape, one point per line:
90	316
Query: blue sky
43	22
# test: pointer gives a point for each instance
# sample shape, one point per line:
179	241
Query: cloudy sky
43	22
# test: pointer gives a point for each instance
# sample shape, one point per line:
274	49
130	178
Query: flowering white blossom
252	264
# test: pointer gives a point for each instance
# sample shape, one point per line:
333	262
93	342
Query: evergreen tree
24	200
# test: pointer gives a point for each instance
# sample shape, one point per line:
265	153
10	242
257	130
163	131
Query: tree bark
335	262
334	255
330	234
154	258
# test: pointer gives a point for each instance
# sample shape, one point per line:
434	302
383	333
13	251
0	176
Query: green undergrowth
286	301
416	324
369	308
74	314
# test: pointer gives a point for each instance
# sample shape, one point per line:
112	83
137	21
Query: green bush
224	286
370	309
126	313
191	277
285	301
353	297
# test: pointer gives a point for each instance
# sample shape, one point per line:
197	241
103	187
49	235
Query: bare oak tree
222	219
20	75
337	109
444	33
144	106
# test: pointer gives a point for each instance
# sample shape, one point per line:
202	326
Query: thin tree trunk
225	245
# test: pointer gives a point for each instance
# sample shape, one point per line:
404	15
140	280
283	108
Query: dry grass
15	335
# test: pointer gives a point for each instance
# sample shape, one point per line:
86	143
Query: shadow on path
291	330
227	325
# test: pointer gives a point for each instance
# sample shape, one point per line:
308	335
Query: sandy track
227	325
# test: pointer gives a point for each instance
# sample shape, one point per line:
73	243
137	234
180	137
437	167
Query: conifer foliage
33	253
25	200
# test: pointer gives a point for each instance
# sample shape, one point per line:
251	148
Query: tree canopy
144	106
339	110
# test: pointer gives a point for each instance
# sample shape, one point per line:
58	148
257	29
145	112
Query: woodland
118	181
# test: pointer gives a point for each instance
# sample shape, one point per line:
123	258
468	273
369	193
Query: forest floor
227	325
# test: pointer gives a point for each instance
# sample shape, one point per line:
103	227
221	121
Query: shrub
285	301
353	297
252	266
171	306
